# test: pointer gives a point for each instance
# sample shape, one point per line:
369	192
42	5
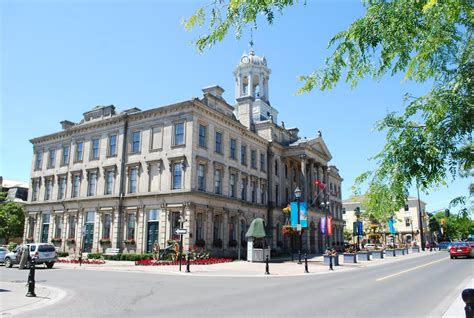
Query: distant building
127	179
16	190
407	223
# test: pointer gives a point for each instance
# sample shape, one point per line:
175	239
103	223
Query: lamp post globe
298	197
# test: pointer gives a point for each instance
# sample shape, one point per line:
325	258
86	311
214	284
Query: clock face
245	59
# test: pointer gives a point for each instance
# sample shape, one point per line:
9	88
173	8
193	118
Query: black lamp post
357	214
298	198
326	212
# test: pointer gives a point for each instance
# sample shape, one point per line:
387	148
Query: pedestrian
428	246
25	254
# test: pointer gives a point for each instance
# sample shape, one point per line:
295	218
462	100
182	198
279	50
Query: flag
329	223
303	214
319	184
391	225
323	225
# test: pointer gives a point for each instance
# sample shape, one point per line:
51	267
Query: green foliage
127	257
426	40
454	227
63	254
347	234
11	246
12	218
94	256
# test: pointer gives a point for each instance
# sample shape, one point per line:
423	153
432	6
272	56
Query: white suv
43	253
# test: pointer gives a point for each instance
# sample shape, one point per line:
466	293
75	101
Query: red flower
213	260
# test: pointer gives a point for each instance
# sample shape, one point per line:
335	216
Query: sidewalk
13	300
456	310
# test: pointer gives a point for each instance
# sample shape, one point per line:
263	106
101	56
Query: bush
11	246
200	243
128	257
94	255
217	243
63	254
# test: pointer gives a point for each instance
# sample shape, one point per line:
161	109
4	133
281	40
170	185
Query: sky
59	59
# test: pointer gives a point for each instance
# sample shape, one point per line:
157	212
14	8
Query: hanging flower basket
30	239
286	210
56	240
130	241
289	230
71	240
104	241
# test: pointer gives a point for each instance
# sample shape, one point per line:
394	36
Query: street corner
13	299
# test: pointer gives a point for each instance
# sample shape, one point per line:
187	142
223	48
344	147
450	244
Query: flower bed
212	260
76	261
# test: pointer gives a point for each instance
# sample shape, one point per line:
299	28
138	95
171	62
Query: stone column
189	214
97	230
303	185
209	224
251	92
260	86
163	227
225	229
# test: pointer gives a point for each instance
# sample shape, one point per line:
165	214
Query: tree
12	218
347	235
427	40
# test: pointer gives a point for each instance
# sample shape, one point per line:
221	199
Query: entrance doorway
89	232
152	236
45	228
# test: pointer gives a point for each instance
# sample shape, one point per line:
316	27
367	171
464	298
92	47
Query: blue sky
61	58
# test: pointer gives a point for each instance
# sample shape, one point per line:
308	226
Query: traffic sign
181	231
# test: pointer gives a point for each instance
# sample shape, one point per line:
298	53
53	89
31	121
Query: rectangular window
254	191
76	184
179	134
217	227
262	162
407	207
177	175
131	227
62	188
112	145
91	187
79	151
243	155
90	216
233	149
132	187
153	215
201	177
253	159
243	189
232	185
107	224
407	222
49	189
218	142
217	181
39	160
52	158
262	194
109	182
65	157
36	188
58	226
72	227
202	136
157	138
31	227
199	227
95	149
135	142
175	225
232	235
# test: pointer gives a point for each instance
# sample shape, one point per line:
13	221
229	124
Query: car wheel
8	263
452	257
50	265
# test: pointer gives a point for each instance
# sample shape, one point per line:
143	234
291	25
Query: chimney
65	124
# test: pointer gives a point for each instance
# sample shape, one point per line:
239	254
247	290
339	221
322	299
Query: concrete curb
456	309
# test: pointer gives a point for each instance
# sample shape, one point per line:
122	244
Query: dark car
444	245
460	249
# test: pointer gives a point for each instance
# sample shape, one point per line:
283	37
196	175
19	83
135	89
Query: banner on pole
323	225
303	214
329	222
360	230
391	225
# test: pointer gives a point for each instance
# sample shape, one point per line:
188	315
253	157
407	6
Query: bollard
306	263
330	262
267	268
299	257
468	297
187	265
292	256
31	280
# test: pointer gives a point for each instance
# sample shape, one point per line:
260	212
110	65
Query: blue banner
391	225
303	214
359	228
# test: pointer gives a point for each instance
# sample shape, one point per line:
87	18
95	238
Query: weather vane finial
251	39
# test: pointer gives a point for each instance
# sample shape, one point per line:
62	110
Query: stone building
127	179
407	224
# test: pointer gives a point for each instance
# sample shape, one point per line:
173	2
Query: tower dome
252	75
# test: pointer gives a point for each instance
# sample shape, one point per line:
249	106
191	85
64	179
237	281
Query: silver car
43	253
3	252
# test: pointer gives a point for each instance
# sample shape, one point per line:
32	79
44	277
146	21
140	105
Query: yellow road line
411	269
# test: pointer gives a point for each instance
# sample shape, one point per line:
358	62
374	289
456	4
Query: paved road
416	287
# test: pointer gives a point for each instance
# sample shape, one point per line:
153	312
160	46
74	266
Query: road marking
409	270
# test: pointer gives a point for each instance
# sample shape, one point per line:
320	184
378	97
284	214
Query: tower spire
251	43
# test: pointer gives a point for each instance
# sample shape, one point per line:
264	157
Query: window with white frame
65	156
202	136
107	225
62	187
253	159
253	190
51	158
79	151
135	142
92	183
133	180
233	149
263	190
243	189
218	147
178	133
131	226
201	177
262	162
199	227
95	149
112	151
72	227
177	176
48	189
39	160
36	189
76	185
109	181
218	181
216	234
243	155
232	234
232	187
58	223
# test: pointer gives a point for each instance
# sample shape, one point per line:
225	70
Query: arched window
245	85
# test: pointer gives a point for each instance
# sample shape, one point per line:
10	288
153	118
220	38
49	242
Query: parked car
43	253
444	245
460	249
370	246
3	252
471	244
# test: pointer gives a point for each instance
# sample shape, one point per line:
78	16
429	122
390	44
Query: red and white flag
319	184
329	225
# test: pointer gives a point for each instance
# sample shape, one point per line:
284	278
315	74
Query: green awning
256	228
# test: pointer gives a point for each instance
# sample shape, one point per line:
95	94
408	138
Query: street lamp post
298	198
357	214
420	219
